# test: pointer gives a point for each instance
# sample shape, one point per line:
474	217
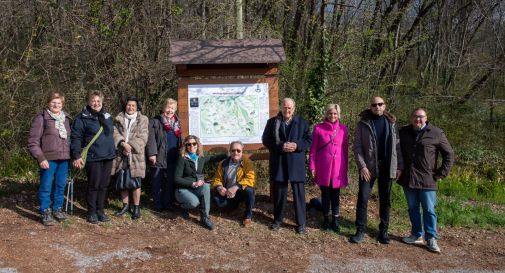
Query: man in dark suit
287	137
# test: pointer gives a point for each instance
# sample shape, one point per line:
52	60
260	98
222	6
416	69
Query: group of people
118	148
382	152
126	146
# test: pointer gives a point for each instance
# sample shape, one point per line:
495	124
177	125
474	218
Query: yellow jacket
245	173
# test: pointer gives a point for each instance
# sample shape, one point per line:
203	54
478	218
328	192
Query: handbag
125	181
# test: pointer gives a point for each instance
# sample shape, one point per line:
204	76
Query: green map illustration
229	116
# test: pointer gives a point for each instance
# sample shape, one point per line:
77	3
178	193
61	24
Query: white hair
290	100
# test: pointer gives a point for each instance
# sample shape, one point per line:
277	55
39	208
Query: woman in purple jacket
328	162
49	144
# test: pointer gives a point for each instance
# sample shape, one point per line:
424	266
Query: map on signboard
221	113
216	122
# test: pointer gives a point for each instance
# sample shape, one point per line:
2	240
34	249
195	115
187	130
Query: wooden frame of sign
193	74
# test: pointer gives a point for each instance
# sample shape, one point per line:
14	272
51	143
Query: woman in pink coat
328	162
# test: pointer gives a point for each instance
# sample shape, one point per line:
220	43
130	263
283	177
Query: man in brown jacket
377	154
421	142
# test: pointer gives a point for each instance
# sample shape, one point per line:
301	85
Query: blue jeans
57	172
427	199
192	198
246	195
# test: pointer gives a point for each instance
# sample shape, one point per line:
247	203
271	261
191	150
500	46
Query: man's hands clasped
289	147
229	193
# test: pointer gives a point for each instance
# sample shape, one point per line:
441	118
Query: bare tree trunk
204	19
240	25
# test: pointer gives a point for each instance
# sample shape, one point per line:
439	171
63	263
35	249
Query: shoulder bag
84	152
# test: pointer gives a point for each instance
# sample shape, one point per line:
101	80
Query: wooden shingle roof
244	51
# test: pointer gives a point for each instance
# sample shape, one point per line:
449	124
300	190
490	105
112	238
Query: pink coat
329	160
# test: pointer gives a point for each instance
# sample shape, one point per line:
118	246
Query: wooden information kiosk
235	70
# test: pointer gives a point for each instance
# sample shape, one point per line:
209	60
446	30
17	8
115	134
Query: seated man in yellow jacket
234	182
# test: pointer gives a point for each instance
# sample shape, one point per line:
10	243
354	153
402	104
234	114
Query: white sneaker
413	240
432	245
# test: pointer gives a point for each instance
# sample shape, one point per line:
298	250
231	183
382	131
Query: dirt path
167	243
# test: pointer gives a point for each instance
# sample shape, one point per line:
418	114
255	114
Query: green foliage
176	10
459	204
9	187
110	24
471	189
18	163
318	83
457	213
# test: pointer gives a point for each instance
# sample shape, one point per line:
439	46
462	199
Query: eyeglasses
419	117
380	104
191	144
236	151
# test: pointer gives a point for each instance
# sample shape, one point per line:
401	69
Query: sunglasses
236	151
377	104
191	144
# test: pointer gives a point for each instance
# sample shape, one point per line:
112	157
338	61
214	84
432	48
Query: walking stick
72	197
70	194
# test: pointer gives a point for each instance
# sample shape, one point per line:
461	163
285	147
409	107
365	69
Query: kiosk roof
244	51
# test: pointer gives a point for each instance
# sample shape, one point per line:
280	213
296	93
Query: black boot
102	217
205	222
383	237
123	210
136	212
326	223
334	224
358	238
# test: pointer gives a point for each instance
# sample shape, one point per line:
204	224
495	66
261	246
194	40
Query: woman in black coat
99	155
162	150
191	189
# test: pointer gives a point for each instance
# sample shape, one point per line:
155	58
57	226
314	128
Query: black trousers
280	201
247	196
98	181
365	188
330	196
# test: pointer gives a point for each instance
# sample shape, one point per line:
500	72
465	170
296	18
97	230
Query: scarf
59	122
171	124
193	157
101	118
129	120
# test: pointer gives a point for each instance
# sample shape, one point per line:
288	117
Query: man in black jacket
287	137
378	157
421	142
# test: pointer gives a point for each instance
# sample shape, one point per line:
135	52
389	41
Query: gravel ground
167	243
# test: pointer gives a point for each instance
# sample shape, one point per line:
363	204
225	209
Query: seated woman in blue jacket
191	190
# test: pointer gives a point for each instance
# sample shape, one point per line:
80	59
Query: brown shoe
247	222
